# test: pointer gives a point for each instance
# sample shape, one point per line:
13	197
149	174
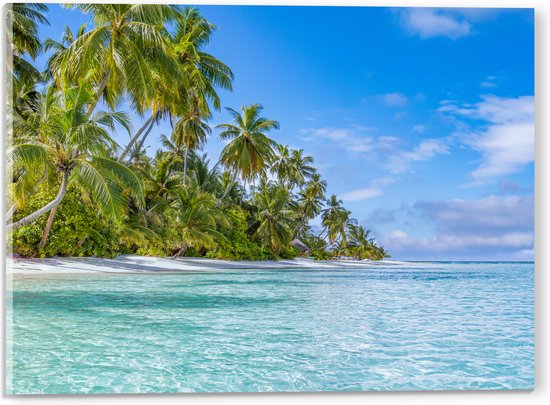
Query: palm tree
22	37
192	134
161	182
361	244
282	166
118	52
60	141
335	218
310	201
301	167
250	152
57	49
202	71
199	73
197	215
274	216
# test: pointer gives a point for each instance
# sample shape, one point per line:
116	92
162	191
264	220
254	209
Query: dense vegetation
74	191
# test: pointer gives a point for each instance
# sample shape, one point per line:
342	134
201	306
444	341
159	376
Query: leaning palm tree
188	99
274	216
118	52
59	141
250	151
196	215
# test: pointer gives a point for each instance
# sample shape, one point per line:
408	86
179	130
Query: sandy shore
142	264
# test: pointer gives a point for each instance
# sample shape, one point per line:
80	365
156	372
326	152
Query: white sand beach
144	264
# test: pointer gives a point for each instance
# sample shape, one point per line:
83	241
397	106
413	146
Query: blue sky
420	119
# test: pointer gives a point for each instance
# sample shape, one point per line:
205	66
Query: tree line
74	191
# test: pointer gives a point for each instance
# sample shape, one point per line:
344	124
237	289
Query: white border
542	178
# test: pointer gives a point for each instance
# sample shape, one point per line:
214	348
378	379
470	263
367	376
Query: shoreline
134	264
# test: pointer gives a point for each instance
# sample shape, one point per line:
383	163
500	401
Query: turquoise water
423	326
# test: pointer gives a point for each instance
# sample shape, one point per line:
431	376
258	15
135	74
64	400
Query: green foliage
175	203
289	252
238	244
77	230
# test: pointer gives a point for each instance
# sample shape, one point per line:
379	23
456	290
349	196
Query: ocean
413	326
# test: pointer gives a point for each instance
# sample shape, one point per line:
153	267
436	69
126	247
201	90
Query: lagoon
409	326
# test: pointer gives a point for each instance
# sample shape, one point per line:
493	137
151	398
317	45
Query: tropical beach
76	192
234	199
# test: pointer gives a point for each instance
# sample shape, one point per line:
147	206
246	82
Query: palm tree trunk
134	139
181	251
143	138
244	188
98	94
46	208
228	188
185	164
47	229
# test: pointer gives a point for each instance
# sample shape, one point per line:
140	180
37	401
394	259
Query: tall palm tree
197	215
22	37
190	97
274	216
302	168
61	140
250	151
57	48
202	71
118	52
281	166
192	134
310	201
335	218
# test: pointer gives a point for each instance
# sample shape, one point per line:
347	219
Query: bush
77	229
237	244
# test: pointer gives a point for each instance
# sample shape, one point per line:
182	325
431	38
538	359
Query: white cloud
394	99
429	22
419	129
351	138
507	143
487	227
426	150
375	189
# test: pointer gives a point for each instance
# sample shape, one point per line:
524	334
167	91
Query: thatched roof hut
301	246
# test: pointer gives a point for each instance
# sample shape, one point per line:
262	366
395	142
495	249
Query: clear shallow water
422	326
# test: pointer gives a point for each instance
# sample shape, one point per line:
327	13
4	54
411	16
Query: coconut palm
274	216
192	134
190	97
335	218
202	71
301	166
310	201
57	49
118	52
60	142
282	166
360	242
22	37
197	215
250	151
